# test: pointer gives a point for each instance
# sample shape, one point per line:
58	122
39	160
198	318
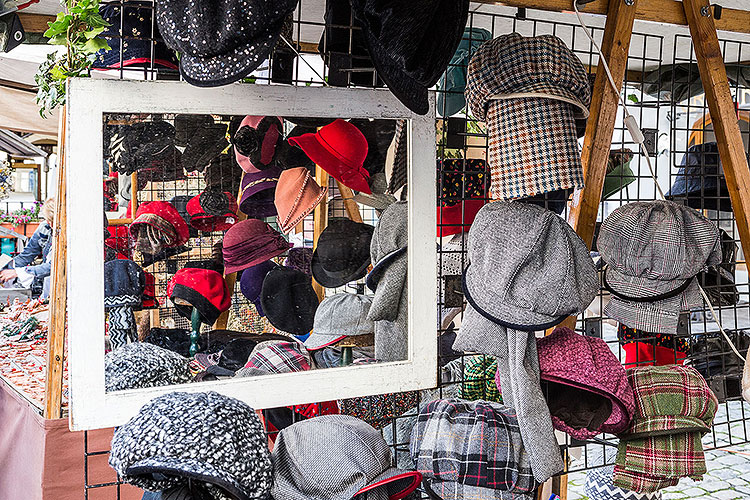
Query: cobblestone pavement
728	474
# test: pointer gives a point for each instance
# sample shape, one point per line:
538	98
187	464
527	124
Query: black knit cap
223	41
289	301
343	252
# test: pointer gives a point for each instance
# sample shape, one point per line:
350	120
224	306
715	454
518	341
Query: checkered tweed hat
356	460
209	439
141	364
471	449
653	251
533	92
276	357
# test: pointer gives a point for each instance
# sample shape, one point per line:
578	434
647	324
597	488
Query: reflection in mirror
241	246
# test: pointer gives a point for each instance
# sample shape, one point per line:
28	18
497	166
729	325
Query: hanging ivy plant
77	28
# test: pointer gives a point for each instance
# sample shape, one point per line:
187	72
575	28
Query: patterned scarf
153	234
121	322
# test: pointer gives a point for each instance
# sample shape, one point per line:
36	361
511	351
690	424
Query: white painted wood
88	100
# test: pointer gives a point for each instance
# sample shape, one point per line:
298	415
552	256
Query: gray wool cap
340	316
214	440
141	364
336	457
388	279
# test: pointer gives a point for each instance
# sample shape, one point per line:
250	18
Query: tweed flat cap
340	316
653	251
471	449
357	460
141	364
209	439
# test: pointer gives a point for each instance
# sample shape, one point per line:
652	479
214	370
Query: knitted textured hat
203	289
340	316
289	300
340	149
251	283
357	461
204	438
257	142
142	364
251	242
167	213
257	192
343	252
124	283
588	390
297	194
212	211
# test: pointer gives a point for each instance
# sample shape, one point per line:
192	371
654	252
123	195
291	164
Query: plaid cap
471	449
479	379
277	357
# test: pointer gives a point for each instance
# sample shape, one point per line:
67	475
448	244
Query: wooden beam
320	221
660	11
352	209
35	23
723	115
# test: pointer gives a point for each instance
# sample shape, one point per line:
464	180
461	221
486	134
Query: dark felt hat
205	144
180	203
379	135
187	125
143	146
251	242
289	300
221	42
343	252
200	288
411	43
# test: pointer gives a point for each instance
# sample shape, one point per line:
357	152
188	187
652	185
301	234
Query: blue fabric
123	279
700	180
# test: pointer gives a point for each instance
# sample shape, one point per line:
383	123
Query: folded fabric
479	379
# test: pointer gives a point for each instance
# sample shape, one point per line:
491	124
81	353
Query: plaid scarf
154	233
479	379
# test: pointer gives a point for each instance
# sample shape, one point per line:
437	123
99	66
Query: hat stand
195	333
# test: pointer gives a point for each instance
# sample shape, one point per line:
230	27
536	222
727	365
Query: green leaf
58	73
93	33
95	45
633	98
58	40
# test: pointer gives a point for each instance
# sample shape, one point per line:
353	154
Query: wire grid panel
670	131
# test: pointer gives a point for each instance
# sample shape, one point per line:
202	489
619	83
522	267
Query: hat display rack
463	181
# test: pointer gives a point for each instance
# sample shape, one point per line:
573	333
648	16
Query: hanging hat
276	357
289	300
150	300
124	282
204	440
180	203
140	364
338	317
257	191
411	43
222	174
204	145
379	136
135	30
214	53
587	387
251	283
200	288
144	146
458	218
400	157
358	462
343	252
291	156
451	86
340	149
257	142
251	242
212	211
619	174
186	126
297	194
530	91
164	218
300	258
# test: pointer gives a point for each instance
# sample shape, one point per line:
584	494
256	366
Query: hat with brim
396	258
378	201
257	191
265	134
343	252
189	469
169	213
393	484
297	194
640	288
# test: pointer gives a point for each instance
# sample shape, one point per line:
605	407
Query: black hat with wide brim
343	252
411	43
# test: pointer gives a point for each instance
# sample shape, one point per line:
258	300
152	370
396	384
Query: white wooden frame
89	99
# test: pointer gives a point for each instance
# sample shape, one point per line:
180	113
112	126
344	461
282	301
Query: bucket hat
451	86
203	289
164	219
411	43
588	390
257	191
358	461
212	211
297	194
343	252
251	242
257	142
338	317
289	300
221	43
525	88
141	364
251	283
202	438
340	149
653	252
471	449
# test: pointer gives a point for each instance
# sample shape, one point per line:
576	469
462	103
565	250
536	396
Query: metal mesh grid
674	130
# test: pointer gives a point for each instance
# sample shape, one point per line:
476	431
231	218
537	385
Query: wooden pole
721	107
58	295
320	221
352	209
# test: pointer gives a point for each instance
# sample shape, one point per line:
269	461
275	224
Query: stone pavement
728	474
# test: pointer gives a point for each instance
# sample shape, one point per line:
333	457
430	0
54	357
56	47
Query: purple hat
591	393
300	258
257	193
251	282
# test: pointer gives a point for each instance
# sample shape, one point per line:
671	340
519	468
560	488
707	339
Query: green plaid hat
674	408
479	379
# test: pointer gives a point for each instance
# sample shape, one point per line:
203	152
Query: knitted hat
160	215
297	194
340	316
251	242
212	211
124	283
142	364
251	283
588	390
289	300
343	252
205	438
257	141
200	288
257	192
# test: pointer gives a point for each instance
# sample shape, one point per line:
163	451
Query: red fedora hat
340	149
